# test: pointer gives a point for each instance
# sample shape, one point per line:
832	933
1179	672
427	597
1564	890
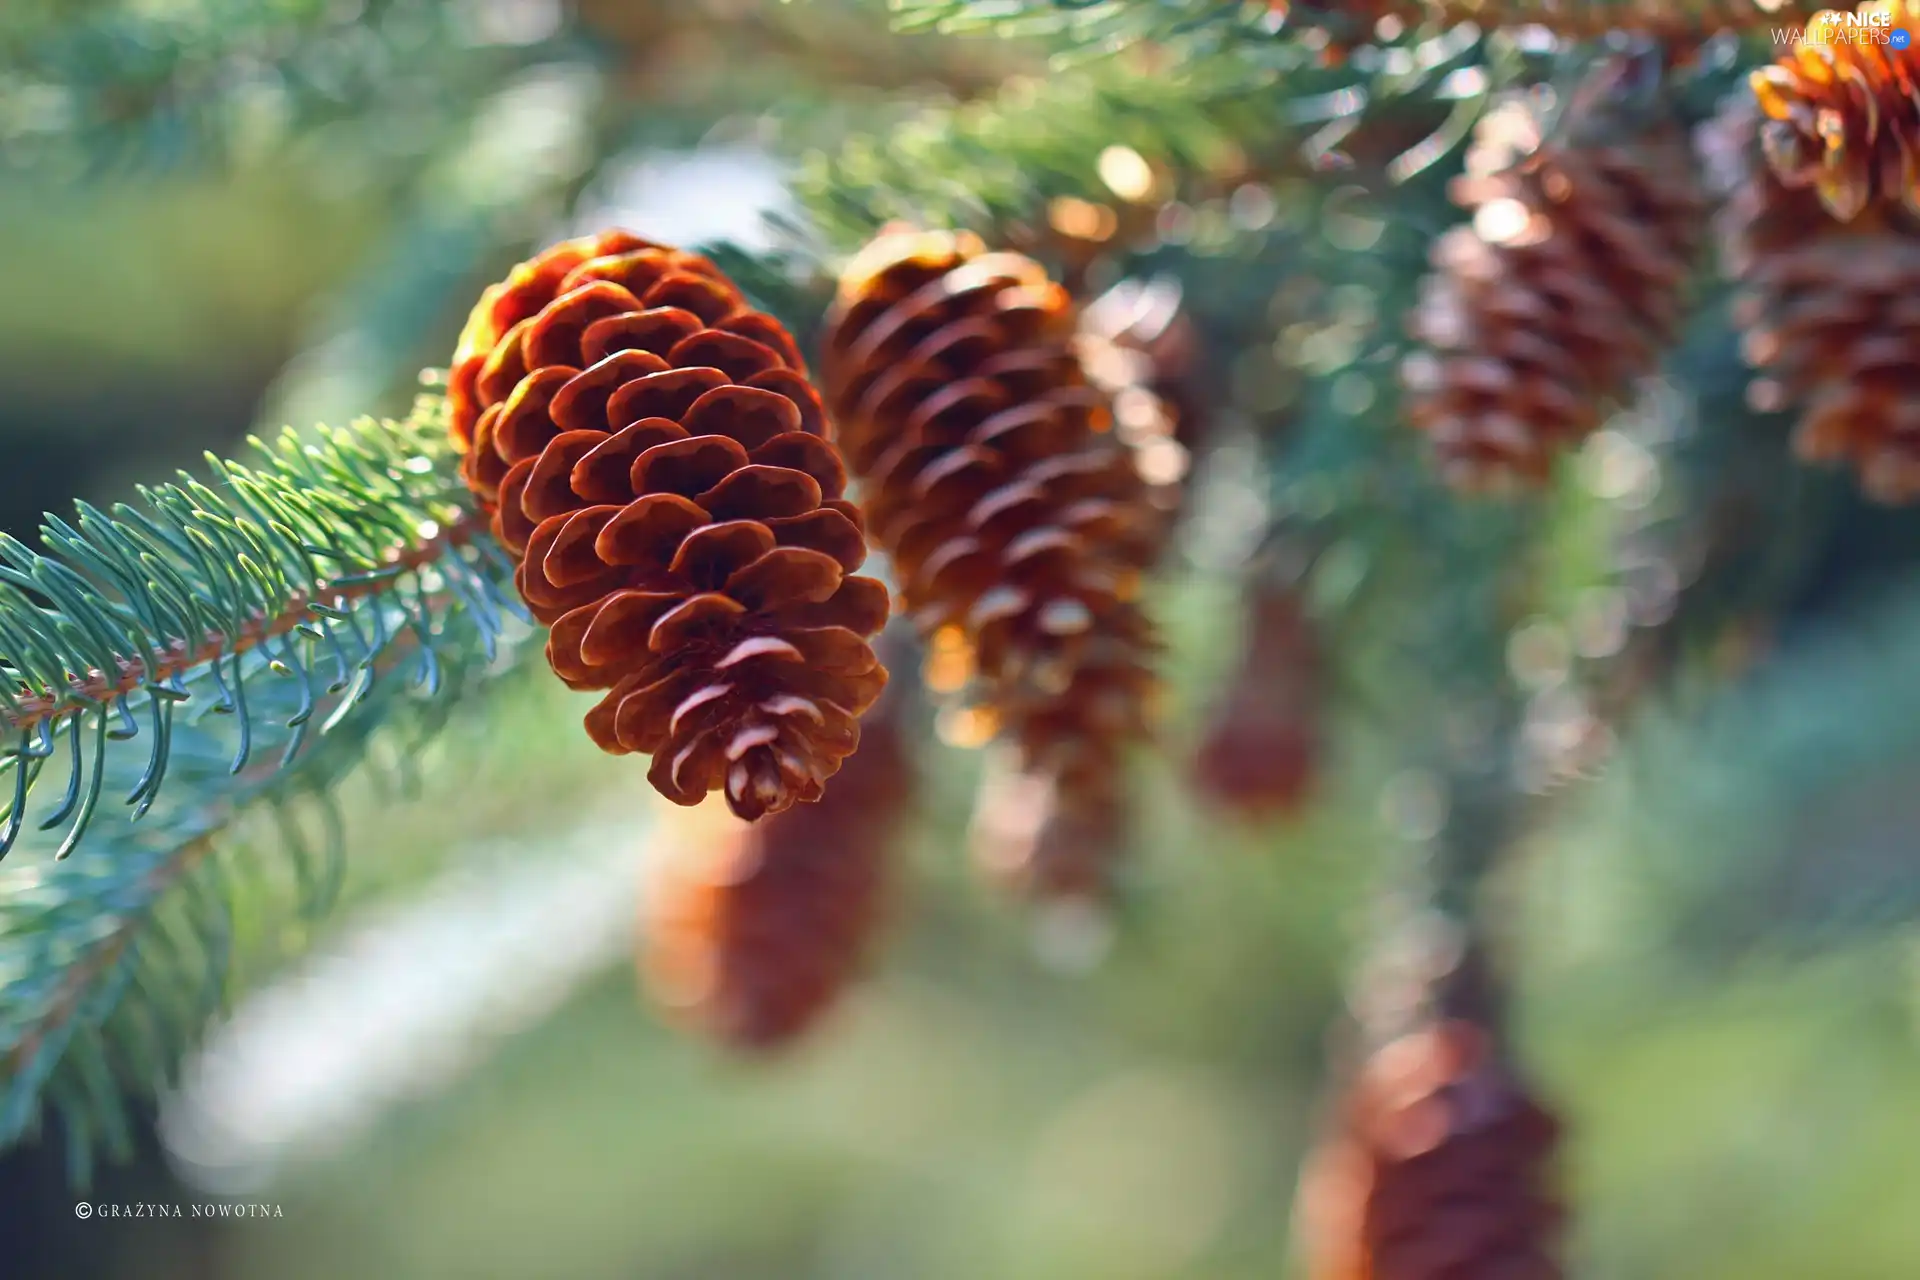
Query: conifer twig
95	687
64	1011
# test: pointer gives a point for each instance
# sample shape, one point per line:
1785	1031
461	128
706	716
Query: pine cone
1439	1171
1045	840
993	479
1261	747
1563	291
656	460
1828	320
753	931
1843	112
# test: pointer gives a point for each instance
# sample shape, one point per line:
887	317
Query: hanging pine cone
655	459
753	931
1014	518
1440	1163
1843	112
1566	287
1046	841
1261	747
1440	1172
1827	315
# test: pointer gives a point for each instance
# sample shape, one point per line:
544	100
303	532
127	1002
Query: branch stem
84	973
97	687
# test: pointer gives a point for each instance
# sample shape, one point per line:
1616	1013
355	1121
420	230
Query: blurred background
221	216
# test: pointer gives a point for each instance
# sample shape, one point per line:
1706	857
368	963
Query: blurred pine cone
1439	1170
656	460
1843	113
1564	289
1261	747
752	931
1046	841
1828	317
1015	520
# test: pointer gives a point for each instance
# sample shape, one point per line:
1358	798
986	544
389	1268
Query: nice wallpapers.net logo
1847	28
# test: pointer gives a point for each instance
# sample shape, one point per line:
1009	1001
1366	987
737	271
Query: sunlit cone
752	931
1843	110
1828	318
1440	1169
1015	518
654	457
1261	747
1566	287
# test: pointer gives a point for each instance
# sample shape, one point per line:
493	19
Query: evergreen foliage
230	645
173	664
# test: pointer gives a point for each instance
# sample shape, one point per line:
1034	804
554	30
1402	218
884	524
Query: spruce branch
178	656
1098	26
152	87
1125	143
995	163
115	958
302	569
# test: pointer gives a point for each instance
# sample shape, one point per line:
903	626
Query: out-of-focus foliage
1758	823
120	609
1043	137
310	600
1093	28
149	85
116	957
1097	26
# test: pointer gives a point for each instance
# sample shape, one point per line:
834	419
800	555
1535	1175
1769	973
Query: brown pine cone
1843	111
1262	745
1564	290
1048	841
752	932
656	460
1828	320
993	479
1440	1170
